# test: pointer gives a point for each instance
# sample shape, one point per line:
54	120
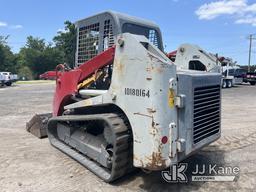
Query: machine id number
136	92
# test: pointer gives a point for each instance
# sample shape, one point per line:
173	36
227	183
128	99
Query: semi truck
229	68
236	72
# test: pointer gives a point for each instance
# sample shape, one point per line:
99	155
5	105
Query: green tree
7	58
39	56
25	72
66	42
3	40
35	43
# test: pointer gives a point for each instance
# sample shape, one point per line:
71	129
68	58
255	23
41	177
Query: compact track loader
125	105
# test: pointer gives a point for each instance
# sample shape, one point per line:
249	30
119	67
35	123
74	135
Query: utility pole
251	38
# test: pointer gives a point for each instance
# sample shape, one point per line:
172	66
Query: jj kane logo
176	173
211	172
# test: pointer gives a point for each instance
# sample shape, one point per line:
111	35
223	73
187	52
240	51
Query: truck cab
235	73
7	78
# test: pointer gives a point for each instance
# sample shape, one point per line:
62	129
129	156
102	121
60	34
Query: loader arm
67	81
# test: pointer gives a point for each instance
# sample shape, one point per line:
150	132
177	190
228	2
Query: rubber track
121	161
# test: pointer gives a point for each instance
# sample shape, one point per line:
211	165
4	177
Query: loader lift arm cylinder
66	82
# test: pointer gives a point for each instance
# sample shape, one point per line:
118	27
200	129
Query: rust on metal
139	160
153	130
143	115
148	69
136	141
155	162
150	110
119	67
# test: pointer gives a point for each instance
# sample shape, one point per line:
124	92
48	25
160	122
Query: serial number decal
136	92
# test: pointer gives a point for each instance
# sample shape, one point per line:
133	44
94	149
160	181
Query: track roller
100	142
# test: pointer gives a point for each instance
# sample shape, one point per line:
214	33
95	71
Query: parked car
250	77
48	75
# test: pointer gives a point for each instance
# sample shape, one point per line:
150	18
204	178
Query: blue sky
218	26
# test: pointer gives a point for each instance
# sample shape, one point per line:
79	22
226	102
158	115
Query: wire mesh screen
108	37
96	34
153	37
88	43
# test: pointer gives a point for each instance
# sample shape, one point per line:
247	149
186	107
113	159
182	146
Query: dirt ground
29	164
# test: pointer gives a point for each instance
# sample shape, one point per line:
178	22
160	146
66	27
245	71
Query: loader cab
97	33
192	57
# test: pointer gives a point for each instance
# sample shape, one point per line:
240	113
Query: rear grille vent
206	112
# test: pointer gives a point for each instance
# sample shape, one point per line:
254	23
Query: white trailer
234	72
193	57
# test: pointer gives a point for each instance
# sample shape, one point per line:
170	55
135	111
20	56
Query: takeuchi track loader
125	105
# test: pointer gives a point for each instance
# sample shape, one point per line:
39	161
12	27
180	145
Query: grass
35	82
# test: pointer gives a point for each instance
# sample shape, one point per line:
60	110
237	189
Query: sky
218	26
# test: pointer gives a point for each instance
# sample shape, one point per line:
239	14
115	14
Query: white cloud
16	26
247	20
225	7
243	12
62	30
3	24
251	8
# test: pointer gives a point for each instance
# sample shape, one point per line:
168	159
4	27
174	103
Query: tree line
38	56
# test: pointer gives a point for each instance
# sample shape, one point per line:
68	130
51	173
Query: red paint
48	75
164	139
67	81
172	55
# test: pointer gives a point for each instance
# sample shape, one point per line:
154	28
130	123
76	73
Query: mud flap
38	125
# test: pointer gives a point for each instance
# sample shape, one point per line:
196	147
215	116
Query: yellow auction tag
171	96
